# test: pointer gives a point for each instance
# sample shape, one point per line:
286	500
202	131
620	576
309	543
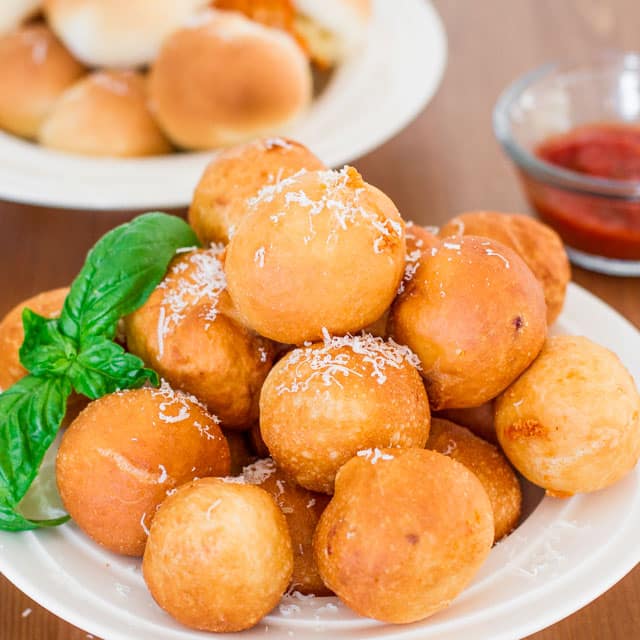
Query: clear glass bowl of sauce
573	133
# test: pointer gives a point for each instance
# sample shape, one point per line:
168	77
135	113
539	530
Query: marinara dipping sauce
600	224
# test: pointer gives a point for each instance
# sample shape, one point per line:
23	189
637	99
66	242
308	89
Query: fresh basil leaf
120	272
44	350
11	520
30	415
104	366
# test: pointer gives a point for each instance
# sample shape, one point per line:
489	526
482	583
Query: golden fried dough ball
321	404
125	453
302	509
405	532
188	331
219	555
489	465
104	114
571	422
257	443
478	420
239	450
47	304
536	243
238	173
475	315
320	249
35	69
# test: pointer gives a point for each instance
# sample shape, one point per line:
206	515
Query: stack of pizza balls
292	446
128	78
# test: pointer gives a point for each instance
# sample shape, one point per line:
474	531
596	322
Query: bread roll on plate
35	69
224	79
105	114
117	33
14	12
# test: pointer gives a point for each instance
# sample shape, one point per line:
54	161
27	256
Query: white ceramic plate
369	99
565	554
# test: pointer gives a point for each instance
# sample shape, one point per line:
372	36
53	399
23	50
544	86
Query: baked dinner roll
489	465
35	69
571	422
188	331
125	453
104	114
332	30
219	555
225	79
236	174
319	251
321	404
117	33
536	243
475	315
405	532
14	12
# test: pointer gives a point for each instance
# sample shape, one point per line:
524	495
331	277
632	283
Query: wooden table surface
447	161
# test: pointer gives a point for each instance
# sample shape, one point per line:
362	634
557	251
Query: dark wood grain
447	161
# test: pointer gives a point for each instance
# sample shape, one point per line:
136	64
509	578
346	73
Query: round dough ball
478	420
14	12
125	453
104	114
302	510
536	243
225	79
219	555
47	304
234	175
571	422
321	404
488	464
404	534
118	33
188	331
475	315
320	250
35	69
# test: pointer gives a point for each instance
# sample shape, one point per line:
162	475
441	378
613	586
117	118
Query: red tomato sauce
599	225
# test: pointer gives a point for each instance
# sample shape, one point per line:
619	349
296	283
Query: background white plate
565	554
369	99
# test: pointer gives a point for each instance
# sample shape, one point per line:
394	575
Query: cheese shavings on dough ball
321	404
189	332
125	453
236	174
488	464
405	532
536	243
318	249
475	315
219	555
571	422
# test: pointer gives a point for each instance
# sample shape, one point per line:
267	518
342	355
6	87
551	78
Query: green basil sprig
76	351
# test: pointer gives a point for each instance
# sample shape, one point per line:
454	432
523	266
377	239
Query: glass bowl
597	218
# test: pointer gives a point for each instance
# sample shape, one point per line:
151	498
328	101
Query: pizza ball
571	422
125	453
536	243
35	69
238	173
488	464
475	315
302	509
319	250
219	555
478	420
189	332
405	532
321	404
